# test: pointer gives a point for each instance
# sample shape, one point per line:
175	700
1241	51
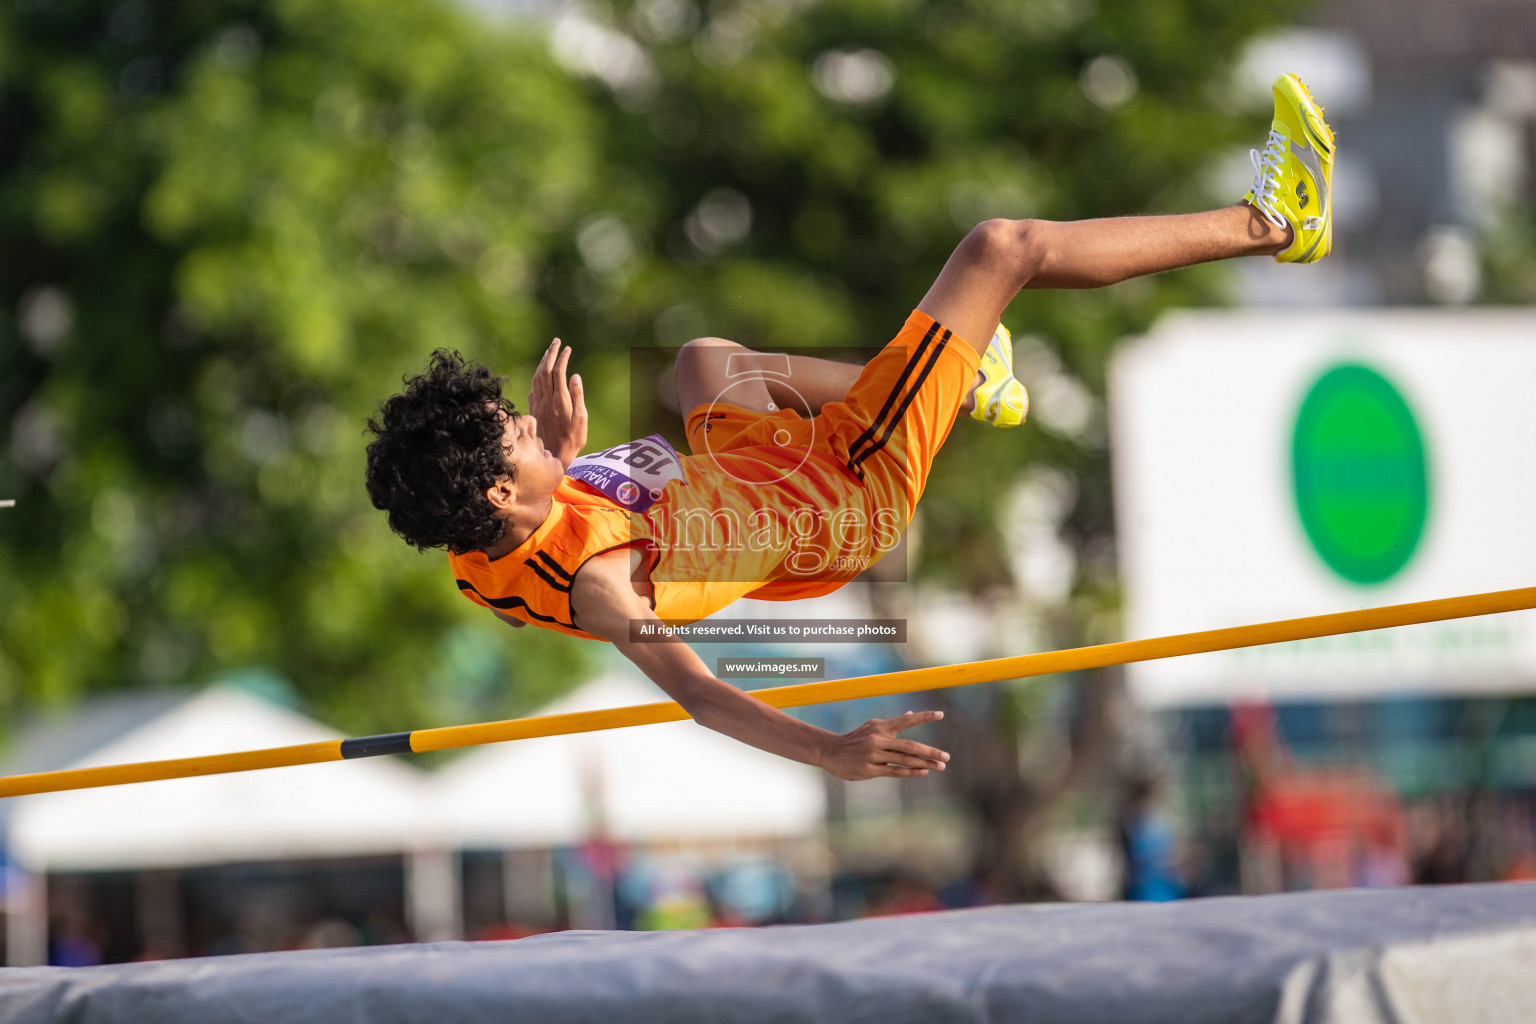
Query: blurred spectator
1488	849
504	931
752	891
658	894
905	894
78	936
78	941
1382	861
1195	866
966	892
1147	844
1521	863
1438	840
384	927
330	933
157	951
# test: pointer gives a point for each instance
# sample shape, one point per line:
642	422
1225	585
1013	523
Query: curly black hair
436	449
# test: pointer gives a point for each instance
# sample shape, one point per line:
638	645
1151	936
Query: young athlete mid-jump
802	471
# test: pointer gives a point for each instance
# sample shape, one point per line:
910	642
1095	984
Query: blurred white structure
374	806
1413	480
665	784
371	807
676	782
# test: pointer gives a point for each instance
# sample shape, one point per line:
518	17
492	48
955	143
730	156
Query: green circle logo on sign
1362	479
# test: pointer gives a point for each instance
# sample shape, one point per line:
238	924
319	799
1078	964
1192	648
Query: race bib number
632	474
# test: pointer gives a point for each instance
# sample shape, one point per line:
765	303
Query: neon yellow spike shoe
1000	399
1293	179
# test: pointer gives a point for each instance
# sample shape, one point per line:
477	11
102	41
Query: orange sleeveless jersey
773	506
710	541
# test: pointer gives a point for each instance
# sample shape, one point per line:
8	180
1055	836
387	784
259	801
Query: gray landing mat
1408	956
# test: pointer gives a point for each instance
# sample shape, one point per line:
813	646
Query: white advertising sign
1277	464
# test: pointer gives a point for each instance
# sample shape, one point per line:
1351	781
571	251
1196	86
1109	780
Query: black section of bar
373	746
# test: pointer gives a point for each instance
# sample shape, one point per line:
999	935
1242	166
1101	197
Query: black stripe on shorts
890	399
855	462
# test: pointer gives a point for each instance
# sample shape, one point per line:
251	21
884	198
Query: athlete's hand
874	749
558	404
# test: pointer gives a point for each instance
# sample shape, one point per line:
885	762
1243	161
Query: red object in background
1522	868
904	895
1307	807
1307	810
503	931
603	858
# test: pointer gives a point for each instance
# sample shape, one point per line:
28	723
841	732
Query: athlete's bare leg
1000	257
708	368
987	269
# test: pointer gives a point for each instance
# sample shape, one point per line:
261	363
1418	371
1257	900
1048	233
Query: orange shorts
884	433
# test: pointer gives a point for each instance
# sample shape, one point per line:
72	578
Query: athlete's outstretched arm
558	404
605	601
1000	257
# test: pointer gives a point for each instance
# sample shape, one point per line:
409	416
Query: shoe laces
1266	178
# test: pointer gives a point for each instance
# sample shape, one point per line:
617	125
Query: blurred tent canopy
229	228
379	807
628	785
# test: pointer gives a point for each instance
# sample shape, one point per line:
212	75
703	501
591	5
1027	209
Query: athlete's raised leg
1287	213
1001	257
764	381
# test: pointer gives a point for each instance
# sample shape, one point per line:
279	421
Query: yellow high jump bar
882	684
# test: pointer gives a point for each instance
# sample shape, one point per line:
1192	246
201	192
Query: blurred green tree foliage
229	228
1508	256
796	174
